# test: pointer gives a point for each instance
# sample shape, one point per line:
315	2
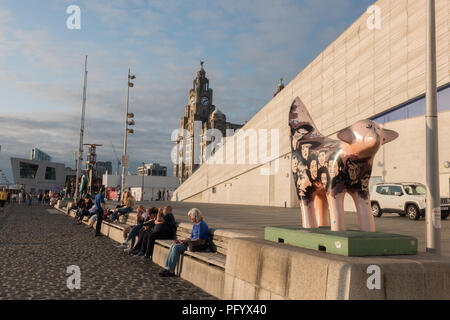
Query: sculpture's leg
366	221
321	204
337	213
307	211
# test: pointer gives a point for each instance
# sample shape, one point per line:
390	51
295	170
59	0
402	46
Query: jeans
121	211
172	257
98	227
83	213
134	232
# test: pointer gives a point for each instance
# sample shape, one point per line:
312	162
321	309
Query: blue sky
246	45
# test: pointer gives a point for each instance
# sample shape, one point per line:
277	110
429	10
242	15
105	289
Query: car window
382	189
415	189
394	189
408	189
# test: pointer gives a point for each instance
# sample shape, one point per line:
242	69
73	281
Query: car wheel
376	210
412	212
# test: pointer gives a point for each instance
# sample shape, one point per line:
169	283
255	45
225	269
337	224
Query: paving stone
37	244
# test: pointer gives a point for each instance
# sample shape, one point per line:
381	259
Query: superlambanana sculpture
325	169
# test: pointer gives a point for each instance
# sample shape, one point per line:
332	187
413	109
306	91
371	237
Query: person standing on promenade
21	197
100	208
29	199
3	198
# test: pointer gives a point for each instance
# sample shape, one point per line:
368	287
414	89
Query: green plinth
347	243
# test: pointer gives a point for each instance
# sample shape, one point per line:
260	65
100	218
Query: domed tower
200	113
201	96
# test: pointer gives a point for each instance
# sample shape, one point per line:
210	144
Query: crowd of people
21	197
151	224
138	240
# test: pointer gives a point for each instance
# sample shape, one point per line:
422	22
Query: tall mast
80	148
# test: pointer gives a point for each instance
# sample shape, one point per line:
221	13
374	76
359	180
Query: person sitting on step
199	237
131	232
165	229
128	202
83	208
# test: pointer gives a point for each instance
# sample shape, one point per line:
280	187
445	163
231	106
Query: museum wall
363	73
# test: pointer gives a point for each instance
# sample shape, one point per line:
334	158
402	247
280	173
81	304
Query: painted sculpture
325	169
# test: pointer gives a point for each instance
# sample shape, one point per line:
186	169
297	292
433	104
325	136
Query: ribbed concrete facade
363	73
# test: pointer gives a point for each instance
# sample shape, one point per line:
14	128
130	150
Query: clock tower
200	111
200	96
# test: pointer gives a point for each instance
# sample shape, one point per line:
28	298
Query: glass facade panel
50	173
28	170
416	108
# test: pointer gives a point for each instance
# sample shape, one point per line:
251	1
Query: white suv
402	198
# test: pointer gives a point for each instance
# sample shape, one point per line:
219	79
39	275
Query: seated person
79	205
92	216
53	201
165	228
140	230
142	216
199	237
128	202
83	209
147	228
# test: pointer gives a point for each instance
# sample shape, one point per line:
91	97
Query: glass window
50	173
415	189
382	189
28	170
416	108
394	189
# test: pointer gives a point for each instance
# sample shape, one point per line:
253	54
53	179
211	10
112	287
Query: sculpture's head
365	137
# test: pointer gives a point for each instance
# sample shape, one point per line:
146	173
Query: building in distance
37	154
38	175
152	169
103	167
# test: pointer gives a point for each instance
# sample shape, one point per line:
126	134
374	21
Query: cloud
247	46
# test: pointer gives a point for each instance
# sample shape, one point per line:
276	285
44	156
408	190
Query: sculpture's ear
346	135
389	135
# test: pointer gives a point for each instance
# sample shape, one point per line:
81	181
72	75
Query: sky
247	45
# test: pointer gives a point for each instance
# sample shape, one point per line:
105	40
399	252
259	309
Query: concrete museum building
366	73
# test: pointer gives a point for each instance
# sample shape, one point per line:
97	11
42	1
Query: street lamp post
128	122
142	190
433	212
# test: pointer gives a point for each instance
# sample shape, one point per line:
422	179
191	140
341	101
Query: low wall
205	276
259	269
256	269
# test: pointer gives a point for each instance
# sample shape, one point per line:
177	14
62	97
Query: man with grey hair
199	236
